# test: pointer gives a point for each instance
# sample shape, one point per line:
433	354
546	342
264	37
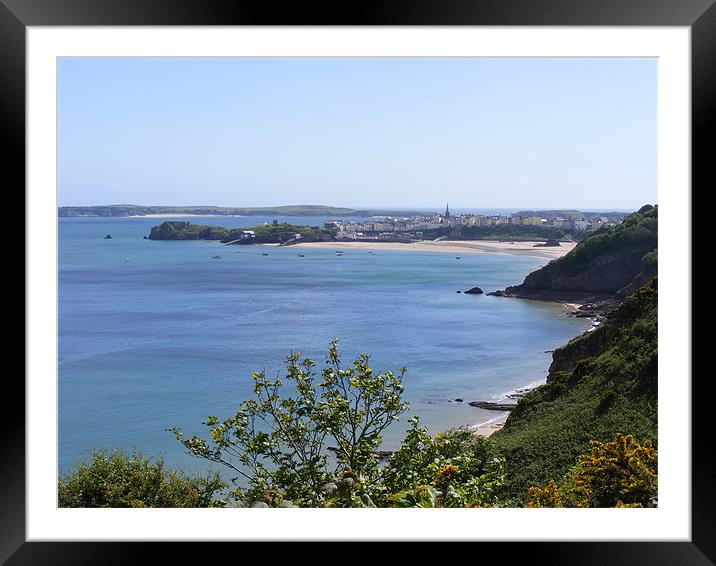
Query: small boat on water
301	255
216	257
264	253
457	257
339	253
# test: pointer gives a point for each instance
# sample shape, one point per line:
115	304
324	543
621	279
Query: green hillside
605	383
605	262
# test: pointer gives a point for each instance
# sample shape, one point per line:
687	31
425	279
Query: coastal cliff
601	383
604	267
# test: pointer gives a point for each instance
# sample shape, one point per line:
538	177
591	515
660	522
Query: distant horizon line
456	207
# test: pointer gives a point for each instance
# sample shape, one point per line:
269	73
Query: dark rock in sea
459	400
146	238
497	293
458	291
492	406
474	291
108	237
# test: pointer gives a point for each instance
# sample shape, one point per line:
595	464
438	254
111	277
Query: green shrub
315	444
618	473
122	479
456	468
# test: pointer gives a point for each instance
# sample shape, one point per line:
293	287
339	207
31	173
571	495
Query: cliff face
587	345
601	383
590	344
620	258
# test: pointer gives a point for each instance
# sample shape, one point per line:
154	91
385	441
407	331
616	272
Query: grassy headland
610	261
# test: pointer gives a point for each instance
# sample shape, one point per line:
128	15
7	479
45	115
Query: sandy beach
491	427
453	246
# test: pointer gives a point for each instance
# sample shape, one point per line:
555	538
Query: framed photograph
301	279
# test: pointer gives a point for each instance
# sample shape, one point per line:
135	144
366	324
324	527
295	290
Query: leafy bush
123	479
456	468
547	496
618	473
279	443
317	446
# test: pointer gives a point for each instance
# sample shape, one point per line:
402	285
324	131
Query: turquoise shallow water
158	334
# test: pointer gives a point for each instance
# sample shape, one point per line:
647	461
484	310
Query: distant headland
129	210
555	226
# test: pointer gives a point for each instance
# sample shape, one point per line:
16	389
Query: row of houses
351	229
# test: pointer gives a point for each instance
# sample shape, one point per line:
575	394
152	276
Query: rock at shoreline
497	293
459	400
492	406
474	291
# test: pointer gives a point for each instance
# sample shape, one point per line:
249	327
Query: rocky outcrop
603	276
602	269
565	358
591	343
474	291
492	406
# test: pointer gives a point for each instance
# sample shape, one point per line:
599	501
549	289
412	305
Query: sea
160	334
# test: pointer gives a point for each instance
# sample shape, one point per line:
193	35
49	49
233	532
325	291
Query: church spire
447	211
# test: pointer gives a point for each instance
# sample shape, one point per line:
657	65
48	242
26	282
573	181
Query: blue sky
393	132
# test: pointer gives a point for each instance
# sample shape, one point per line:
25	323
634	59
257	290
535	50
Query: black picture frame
17	15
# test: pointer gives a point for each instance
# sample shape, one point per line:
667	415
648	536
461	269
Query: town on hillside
451	225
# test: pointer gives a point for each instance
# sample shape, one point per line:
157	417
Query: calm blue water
157	334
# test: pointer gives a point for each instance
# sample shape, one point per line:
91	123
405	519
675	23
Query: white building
581	225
